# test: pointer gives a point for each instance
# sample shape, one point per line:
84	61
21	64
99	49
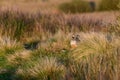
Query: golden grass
44	69
46	24
95	58
95	43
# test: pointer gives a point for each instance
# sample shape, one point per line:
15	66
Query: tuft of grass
93	56
47	68
7	47
16	22
96	43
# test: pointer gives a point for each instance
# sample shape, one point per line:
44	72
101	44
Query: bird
31	45
74	41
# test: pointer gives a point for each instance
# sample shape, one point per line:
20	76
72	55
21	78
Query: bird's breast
73	44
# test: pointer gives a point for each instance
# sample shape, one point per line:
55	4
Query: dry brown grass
99	20
45	24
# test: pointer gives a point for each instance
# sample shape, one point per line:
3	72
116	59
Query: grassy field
35	42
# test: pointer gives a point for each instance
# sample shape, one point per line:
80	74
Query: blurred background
67	6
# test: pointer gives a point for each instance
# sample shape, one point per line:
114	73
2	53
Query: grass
40	71
96	56
19	24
